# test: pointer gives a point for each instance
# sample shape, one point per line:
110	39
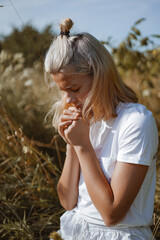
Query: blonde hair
84	54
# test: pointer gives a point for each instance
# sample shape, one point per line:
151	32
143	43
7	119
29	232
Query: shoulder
138	135
136	109
136	115
137	123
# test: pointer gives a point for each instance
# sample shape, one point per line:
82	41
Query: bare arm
67	187
111	200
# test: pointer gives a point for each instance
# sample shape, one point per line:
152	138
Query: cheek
86	90
83	95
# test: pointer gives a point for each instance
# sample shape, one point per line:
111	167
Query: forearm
96	182
67	187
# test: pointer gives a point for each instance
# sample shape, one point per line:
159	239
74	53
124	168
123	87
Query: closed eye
75	90
69	89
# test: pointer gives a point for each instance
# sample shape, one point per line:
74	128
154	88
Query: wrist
83	147
69	148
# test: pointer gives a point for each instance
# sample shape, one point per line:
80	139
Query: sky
101	18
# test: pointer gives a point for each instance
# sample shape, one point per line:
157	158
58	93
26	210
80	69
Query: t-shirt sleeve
138	139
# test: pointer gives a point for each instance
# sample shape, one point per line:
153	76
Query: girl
108	181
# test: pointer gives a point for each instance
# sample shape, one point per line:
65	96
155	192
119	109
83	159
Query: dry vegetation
32	153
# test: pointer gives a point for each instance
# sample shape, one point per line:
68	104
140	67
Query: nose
70	98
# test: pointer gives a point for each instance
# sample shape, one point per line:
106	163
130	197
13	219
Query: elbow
111	222
113	219
67	205
65	200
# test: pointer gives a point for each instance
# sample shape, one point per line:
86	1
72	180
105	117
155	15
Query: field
32	153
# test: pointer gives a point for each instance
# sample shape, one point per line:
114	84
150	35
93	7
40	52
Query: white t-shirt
131	137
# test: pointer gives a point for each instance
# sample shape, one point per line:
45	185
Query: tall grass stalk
29	206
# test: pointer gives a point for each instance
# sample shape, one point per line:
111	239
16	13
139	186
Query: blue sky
102	18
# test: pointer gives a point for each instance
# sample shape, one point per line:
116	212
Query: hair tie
66	33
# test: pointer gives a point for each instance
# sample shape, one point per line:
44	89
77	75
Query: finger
74	109
69	129
72	117
61	125
69	112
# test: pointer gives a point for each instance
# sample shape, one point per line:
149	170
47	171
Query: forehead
68	80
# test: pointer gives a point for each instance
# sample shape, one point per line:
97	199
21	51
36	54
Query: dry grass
29	205
31	153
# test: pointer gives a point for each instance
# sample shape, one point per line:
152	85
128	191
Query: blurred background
31	151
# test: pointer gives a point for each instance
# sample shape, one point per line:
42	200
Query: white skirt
73	227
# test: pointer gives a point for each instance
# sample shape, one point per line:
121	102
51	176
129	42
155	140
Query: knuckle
59	125
74	123
67	133
64	111
71	109
61	117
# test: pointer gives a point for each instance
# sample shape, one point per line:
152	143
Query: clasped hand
73	129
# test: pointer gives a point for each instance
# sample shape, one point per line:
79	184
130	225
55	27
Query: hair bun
66	25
